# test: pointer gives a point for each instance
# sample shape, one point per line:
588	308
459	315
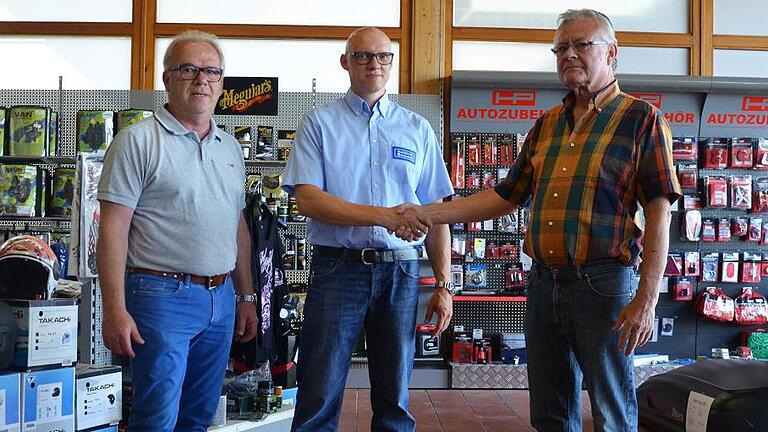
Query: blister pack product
742	153
760	193
715	153
685	149
741	192
28	131
95	130
131	116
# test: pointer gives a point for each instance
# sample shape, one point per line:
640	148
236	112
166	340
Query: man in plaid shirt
587	167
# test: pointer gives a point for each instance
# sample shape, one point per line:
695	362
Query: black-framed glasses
189	72
580	47
365	57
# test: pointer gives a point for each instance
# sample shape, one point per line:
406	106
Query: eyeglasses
189	72
365	57
580	47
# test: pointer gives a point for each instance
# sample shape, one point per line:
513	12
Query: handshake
408	221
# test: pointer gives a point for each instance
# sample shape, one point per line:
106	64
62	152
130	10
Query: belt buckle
362	256
209	281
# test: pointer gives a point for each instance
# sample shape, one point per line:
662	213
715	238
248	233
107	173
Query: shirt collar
599	100
358	105
172	125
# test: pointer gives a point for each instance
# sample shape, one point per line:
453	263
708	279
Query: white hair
192	36
599	17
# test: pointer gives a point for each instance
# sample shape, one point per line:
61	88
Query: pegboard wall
292	107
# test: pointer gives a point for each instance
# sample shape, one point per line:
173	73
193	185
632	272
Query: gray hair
192	36
599	17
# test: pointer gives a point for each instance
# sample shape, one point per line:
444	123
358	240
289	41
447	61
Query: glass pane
299	62
737	63
383	13
741	17
513	56
69	10
636	15
45	58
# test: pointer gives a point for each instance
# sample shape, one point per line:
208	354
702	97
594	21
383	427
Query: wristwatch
448	285
246	297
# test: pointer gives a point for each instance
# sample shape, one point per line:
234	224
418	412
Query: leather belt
368	256
208	281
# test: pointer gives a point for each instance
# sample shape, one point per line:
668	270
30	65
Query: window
383	13
294	62
69	10
636	15
738	63
43	59
741	17
514	56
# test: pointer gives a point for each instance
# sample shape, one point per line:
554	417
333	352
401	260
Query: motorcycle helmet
29	269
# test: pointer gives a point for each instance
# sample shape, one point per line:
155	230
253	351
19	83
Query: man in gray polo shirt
174	248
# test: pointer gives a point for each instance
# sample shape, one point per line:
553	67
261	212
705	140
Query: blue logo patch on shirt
405	154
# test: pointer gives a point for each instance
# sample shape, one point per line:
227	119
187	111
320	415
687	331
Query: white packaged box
47	334
99	396
10	402
48	400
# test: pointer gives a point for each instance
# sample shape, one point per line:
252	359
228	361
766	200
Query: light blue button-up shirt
381	157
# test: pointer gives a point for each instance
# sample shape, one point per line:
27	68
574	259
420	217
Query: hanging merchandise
687	175
716	153
715	304
86	231
2	130
692	225
285	143
717	191
264	138
28	131
53	134
741	153
130	116
19	190
685	149
750	308
741	192
268	281
29	269
761	154
760	191
63	192
94	130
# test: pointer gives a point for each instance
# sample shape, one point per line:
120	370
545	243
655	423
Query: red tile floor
454	410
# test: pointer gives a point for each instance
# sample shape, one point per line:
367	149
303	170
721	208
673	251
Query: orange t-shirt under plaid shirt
586	181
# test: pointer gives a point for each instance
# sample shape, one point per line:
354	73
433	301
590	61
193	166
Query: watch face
450	286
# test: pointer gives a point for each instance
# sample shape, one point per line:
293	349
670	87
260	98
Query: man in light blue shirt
354	160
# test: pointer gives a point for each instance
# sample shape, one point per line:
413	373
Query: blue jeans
568	335
344	296
179	371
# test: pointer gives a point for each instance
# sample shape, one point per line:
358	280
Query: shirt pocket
404	162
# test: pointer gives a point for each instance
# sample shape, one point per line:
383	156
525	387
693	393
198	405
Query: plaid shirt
587	181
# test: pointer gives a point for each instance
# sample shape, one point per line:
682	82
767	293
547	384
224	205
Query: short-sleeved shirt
383	156
187	195
586	181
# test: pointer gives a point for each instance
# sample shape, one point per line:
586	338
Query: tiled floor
454	410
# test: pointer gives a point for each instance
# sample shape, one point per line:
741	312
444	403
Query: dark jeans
179	371
568	335
343	297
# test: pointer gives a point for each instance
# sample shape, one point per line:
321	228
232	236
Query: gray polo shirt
187	195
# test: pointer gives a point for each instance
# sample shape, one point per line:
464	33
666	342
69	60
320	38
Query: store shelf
265	162
496	298
50	160
508	376
277	422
